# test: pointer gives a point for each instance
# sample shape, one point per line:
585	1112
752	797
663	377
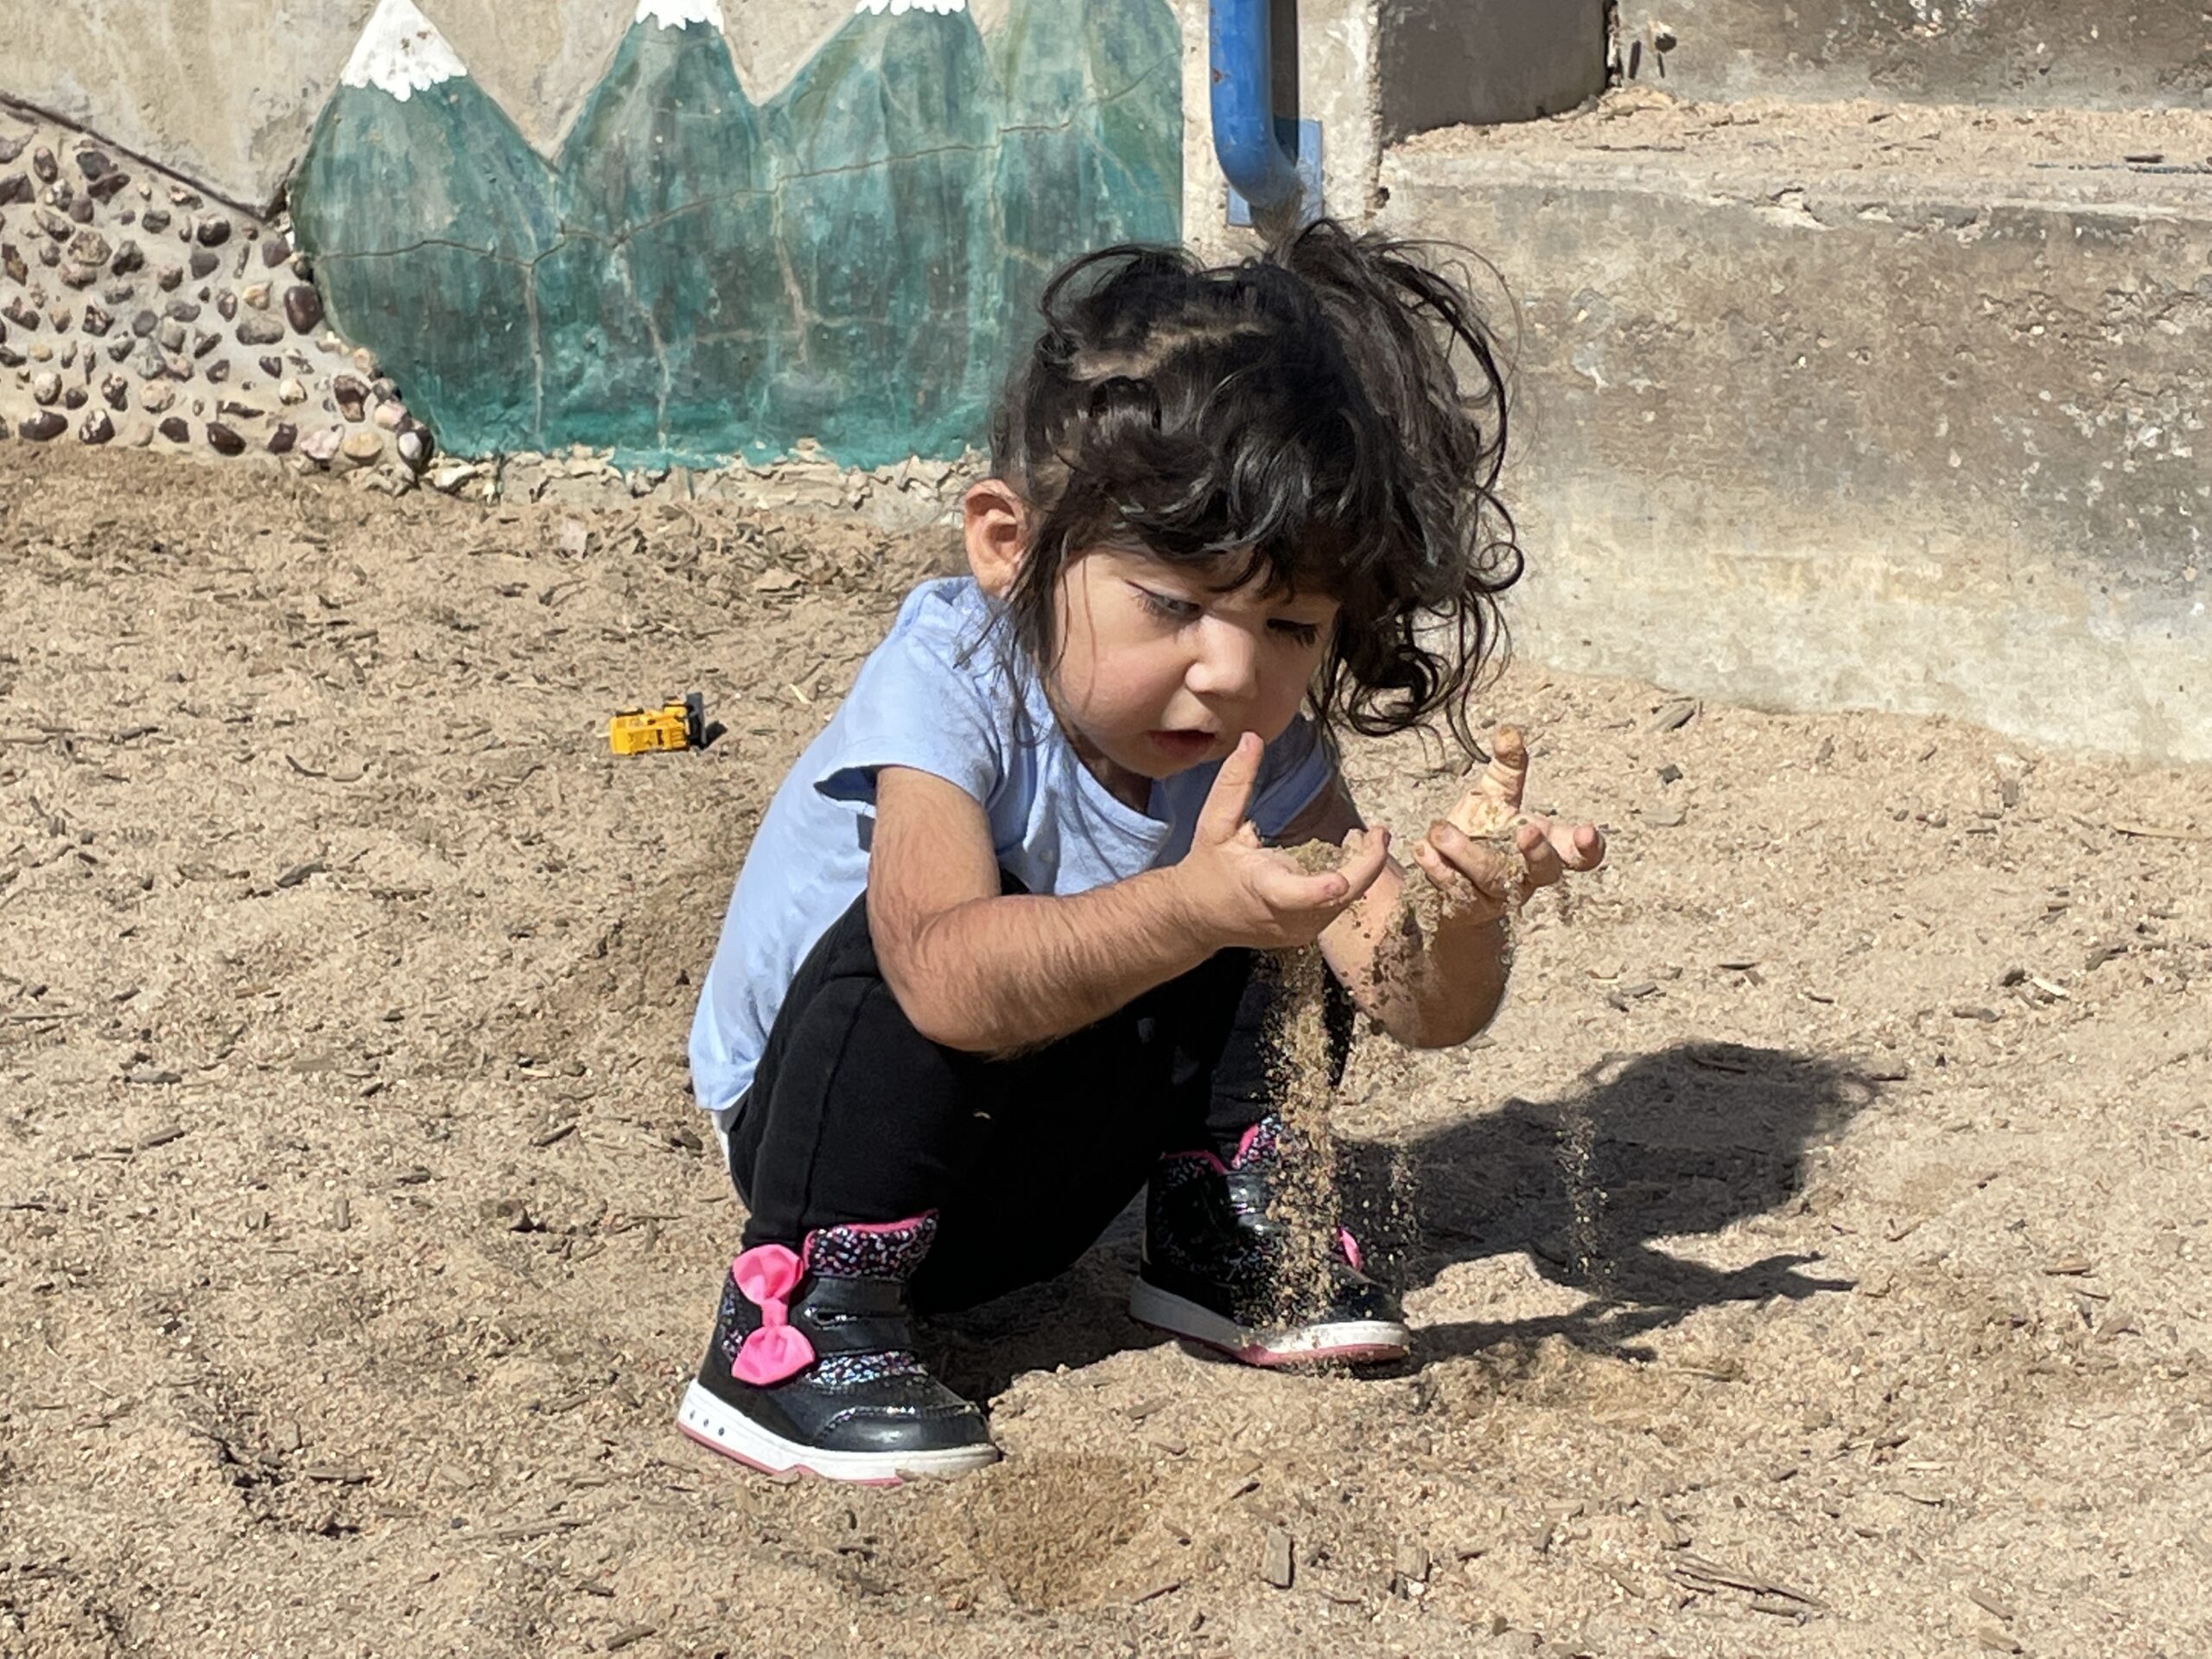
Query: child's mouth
1185	747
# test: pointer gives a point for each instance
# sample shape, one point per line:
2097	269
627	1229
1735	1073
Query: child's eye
1167	608
1303	633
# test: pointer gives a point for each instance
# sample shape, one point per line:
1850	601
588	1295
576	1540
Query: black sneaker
1212	1260
811	1366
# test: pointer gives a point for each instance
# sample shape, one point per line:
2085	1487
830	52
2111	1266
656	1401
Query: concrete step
1854	405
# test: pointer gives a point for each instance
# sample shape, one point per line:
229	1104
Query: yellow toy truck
672	726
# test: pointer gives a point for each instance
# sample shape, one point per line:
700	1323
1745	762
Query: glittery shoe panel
893	1251
858	1370
1264	1141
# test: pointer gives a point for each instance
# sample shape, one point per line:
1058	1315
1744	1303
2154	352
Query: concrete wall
1814	420
2078	54
1445	63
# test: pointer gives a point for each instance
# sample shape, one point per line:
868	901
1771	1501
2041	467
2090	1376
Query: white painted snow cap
401	52
675	14
898	8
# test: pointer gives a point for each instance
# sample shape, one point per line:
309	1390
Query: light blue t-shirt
941	695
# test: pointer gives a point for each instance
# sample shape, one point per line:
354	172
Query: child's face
1158	672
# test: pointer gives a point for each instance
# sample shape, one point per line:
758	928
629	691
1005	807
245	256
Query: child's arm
976	969
1438	986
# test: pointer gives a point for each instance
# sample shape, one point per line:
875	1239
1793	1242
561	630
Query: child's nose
1228	664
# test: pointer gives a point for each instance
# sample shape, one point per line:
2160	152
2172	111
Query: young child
992	964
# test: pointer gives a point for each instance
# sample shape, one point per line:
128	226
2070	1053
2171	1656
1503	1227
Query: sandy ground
356	1233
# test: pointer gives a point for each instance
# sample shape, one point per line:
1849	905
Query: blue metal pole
1244	135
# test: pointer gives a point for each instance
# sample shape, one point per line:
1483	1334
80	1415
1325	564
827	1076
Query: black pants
856	1116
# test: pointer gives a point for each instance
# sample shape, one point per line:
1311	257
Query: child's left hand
1475	876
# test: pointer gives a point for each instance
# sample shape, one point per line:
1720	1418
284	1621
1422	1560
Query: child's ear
994	520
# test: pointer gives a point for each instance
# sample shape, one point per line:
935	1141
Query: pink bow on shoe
766	1275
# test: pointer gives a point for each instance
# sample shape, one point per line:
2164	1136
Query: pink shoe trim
765	1275
1349	1245
1244	1141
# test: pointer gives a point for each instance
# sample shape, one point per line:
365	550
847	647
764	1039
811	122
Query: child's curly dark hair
1298	413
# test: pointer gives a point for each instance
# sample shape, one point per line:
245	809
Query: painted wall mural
695	276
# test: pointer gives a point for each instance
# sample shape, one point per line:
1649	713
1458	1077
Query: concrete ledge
1856	408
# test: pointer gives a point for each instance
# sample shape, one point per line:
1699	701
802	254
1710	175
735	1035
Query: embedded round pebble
174	429
302	308
43	428
97	428
224	440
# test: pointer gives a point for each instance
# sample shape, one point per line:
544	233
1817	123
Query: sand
356	1234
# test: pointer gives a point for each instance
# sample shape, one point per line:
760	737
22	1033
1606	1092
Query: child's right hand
1240	892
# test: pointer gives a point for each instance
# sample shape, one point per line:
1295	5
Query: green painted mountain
664	310
884	144
425	218
1084	158
695	277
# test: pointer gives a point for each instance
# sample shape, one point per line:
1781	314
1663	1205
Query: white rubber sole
715	1426
1344	1341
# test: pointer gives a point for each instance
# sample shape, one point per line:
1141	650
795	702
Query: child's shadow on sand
1681	1141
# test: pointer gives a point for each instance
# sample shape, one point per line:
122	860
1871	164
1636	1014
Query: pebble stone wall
134	310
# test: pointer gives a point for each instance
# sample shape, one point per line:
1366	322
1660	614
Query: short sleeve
927	698
1297	767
